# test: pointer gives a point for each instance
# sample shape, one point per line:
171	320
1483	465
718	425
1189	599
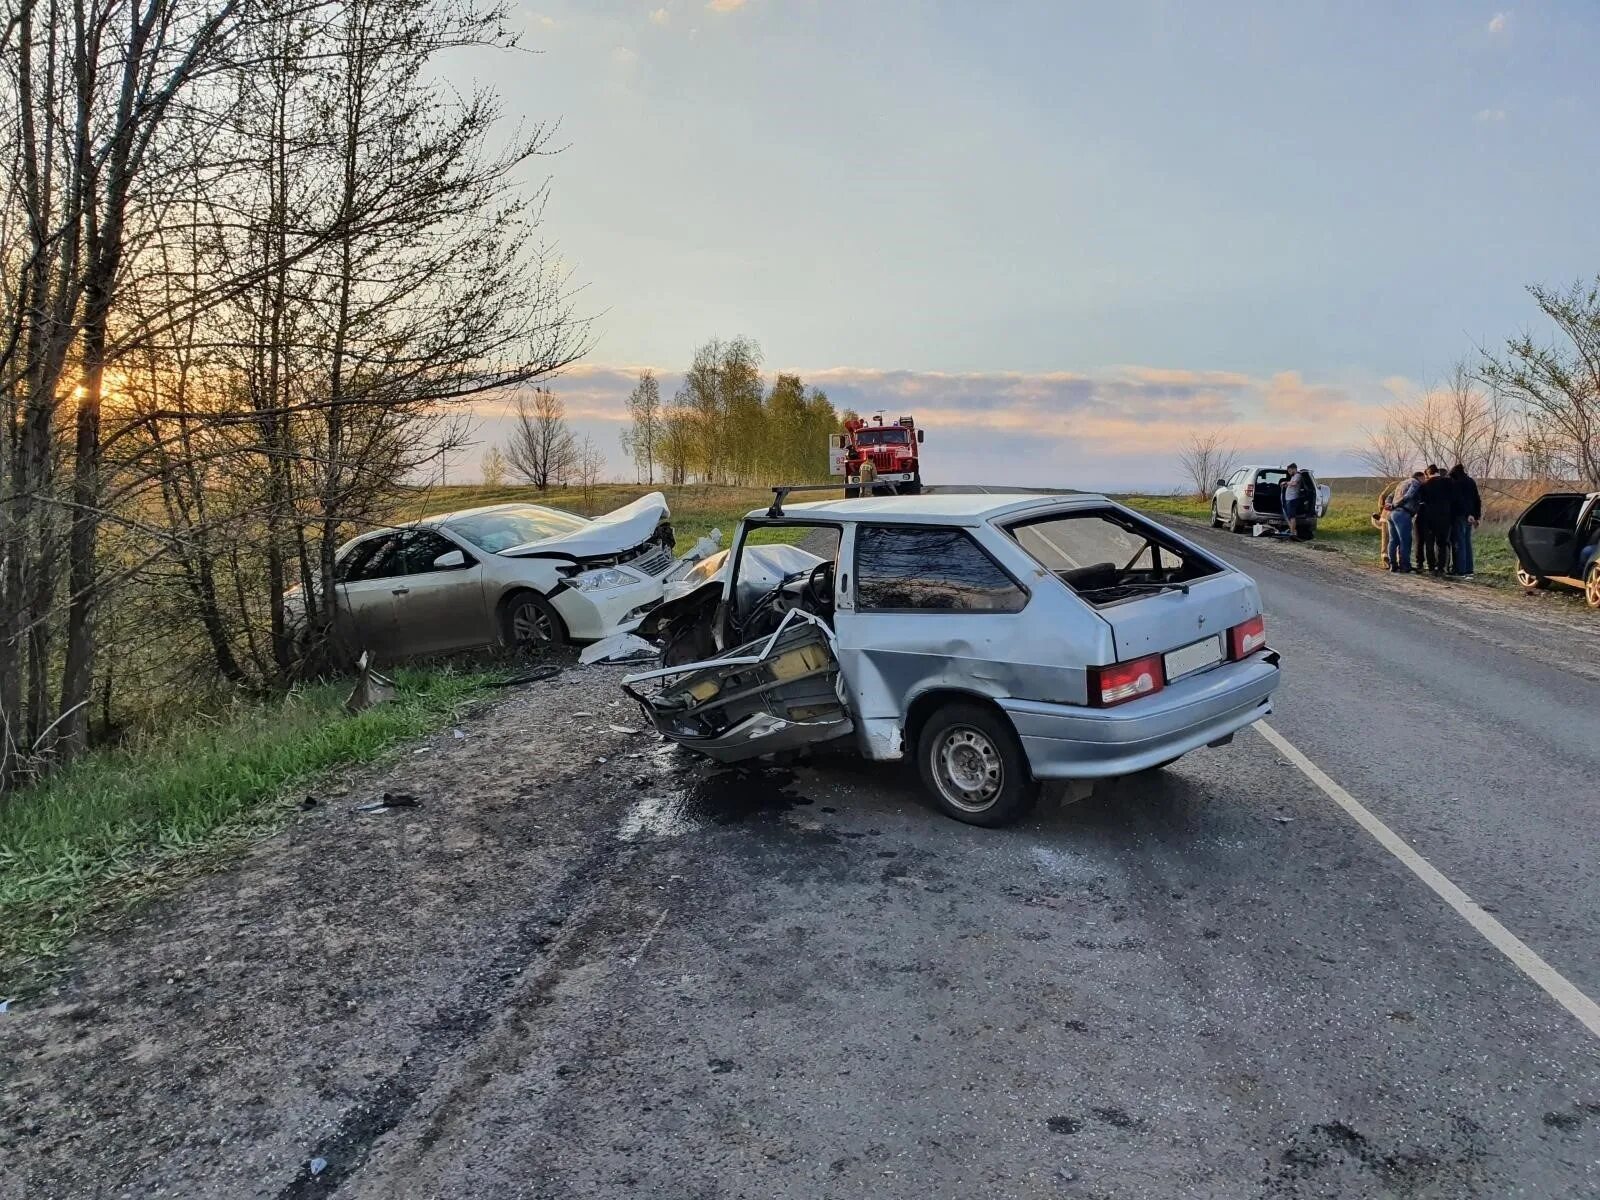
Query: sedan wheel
973	765
1591	585
530	621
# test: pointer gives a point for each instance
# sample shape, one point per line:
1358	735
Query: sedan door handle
402	591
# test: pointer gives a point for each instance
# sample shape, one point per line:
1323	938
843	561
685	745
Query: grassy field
1347	527
696	509
123	823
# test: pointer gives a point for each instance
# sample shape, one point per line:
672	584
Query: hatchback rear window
1107	556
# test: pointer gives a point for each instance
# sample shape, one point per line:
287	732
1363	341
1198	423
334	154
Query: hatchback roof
938	508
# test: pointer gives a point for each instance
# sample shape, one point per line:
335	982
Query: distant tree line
251	254
725	426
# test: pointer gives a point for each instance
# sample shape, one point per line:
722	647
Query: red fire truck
877	458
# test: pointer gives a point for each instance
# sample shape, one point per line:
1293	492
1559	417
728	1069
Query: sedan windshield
507	527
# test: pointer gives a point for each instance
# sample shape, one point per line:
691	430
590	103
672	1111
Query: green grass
696	509
121	823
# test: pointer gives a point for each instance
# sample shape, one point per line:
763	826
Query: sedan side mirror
449	561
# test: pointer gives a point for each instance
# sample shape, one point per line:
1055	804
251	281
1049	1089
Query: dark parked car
1558	541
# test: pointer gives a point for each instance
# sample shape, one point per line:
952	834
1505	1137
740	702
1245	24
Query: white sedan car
512	574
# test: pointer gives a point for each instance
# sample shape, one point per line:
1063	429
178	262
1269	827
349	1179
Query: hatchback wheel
530	622
1591	585
1529	580
973	766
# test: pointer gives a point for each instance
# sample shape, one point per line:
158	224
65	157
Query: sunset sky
1063	234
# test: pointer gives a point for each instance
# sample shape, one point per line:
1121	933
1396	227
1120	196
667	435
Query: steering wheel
818	591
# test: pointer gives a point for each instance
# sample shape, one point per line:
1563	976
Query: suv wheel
1216	517
1234	524
1529	580
1591	585
973	766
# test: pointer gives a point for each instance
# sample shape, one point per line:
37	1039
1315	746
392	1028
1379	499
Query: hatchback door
924	606
1545	537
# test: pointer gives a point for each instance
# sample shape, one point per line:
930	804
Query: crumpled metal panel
776	694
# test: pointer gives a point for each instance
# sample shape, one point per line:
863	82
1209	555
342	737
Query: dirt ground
337	964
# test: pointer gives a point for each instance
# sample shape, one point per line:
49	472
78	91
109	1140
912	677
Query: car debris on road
1003	640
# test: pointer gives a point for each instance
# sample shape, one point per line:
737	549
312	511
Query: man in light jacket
1402	511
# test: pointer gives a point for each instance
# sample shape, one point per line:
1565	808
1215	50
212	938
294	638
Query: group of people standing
1427	521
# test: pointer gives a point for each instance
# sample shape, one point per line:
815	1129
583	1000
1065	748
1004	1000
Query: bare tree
494	467
1388	451
542	450
1204	459
1457	420
1557	386
643	434
588	465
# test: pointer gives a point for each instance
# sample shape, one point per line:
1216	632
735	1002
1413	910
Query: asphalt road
1206	983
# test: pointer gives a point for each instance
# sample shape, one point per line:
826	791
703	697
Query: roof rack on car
781	491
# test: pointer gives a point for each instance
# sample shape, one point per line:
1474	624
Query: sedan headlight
602	579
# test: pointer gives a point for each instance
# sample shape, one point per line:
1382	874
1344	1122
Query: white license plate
1189	659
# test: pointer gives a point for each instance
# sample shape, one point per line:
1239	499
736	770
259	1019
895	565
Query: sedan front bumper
590	616
1069	741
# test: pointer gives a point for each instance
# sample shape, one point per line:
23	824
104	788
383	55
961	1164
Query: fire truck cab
879	458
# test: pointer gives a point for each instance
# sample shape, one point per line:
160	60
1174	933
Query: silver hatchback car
1002	640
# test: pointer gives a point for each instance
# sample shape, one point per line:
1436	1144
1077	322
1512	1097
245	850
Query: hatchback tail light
1121	682
1244	640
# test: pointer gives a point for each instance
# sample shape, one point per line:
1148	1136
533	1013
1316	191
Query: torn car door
775	694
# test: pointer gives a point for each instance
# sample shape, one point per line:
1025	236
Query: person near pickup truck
1401	511
1438	518
1468	512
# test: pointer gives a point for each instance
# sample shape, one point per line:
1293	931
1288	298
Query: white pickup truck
1254	496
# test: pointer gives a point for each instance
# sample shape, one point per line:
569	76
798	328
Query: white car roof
939	508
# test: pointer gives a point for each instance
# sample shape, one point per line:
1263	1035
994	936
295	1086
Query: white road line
1561	989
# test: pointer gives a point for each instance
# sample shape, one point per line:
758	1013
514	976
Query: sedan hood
627	527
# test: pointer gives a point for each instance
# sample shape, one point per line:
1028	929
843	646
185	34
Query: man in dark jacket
1438	518
1468	512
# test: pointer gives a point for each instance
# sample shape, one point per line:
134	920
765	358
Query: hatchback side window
906	567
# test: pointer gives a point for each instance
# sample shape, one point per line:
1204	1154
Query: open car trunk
1267	499
778	693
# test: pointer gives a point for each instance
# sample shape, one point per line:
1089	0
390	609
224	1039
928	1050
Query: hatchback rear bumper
1069	741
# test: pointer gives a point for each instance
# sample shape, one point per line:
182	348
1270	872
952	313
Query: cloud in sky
725	6
1491	116
659	16
1115	429
1498	22
624	57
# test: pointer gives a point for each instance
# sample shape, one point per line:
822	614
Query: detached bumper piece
779	693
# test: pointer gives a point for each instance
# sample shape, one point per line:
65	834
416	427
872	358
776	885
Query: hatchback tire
973	766
1591	585
529	622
